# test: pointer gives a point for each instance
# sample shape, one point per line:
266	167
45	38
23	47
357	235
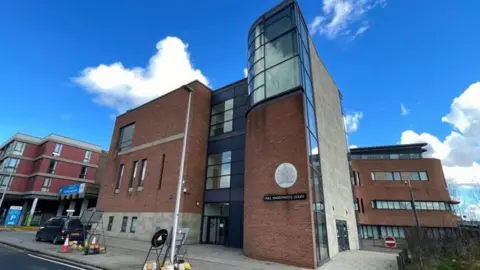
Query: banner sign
72	189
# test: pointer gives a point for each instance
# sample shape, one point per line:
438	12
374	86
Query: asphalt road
14	259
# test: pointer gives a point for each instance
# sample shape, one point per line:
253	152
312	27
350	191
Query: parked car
56	230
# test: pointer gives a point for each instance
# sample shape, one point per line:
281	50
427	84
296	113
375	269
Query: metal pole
419	234
180	179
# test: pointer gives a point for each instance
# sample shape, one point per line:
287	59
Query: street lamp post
414	208
180	178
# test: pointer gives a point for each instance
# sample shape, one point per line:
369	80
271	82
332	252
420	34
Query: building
46	176
381	177
266	161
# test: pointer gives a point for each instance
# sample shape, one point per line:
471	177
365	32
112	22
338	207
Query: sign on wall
285	197
13	215
72	189
285	175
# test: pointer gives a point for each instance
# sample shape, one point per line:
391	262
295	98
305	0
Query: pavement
123	254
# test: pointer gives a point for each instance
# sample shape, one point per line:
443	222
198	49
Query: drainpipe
180	177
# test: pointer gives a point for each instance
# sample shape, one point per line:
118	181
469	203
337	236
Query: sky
408	70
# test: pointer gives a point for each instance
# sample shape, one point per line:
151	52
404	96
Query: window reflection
282	77
280	49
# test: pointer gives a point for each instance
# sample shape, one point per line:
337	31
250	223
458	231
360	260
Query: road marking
64	264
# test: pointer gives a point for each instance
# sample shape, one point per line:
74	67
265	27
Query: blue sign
13	215
71	189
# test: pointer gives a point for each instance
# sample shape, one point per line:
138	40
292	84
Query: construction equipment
94	231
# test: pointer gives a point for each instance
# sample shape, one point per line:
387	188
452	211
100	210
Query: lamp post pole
419	234
180	178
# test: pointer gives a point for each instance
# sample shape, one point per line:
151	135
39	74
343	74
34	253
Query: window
394	156
119	178
356	177
133	225
58	149
162	166
134	174
389	176
5	182
282	77
279	24
124	224
110	223
423	176
219	170
142	173
83	172
88	155
356	204
397	176
362	206
10	164
126	137
221	120
280	49
18	148
52	166
74	224
47	182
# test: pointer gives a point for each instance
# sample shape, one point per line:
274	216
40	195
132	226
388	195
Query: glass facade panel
280	49
259	94
282	77
218	182
225	157
218	170
311	118
279	24
307	84
227	105
222	117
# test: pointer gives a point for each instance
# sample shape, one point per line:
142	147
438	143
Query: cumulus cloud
353	146
460	150
245	72
352	121
343	18
119	87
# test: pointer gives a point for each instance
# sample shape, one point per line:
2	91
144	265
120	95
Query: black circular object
159	238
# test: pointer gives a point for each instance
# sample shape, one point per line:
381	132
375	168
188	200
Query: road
11	258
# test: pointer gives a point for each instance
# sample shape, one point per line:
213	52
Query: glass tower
278	63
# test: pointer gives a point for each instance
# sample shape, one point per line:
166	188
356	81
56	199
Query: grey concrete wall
337	188
147	222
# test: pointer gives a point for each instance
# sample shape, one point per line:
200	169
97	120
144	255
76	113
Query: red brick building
383	202
34	170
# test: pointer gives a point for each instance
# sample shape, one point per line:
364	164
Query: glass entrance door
217	228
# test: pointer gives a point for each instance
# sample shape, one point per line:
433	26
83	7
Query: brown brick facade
435	189
280	231
159	119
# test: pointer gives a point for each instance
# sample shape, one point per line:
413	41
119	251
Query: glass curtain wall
279	61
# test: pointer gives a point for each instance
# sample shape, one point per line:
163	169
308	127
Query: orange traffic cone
93	244
65	244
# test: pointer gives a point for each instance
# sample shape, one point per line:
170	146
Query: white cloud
403	110
342	17
121	88
353	146
460	150
245	72
352	121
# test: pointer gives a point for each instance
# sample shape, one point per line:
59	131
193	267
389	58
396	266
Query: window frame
124	226
118	183
87	157
143	171
18	152
84	174
57	152
133	175
124	145
47	183
132	227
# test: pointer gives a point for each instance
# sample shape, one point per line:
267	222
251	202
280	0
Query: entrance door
342	235
217	228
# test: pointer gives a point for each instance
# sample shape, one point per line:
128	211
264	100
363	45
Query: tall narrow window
124	224
134	174
58	149
110	223
126	137
356	178
83	172
119	178
133	225
52	166
18	148
142	173
221	120
362	206
88	155
162	166
47	182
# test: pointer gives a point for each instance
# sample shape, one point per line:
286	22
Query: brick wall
279	231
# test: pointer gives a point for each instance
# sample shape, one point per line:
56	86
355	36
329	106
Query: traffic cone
65	245
93	244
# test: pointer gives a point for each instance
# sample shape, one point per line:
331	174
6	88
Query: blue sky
58	71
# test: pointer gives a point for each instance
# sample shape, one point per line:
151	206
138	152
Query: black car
56	230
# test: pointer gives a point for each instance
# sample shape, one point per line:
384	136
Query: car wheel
38	237
55	240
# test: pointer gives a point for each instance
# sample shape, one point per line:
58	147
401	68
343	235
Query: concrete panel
339	201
